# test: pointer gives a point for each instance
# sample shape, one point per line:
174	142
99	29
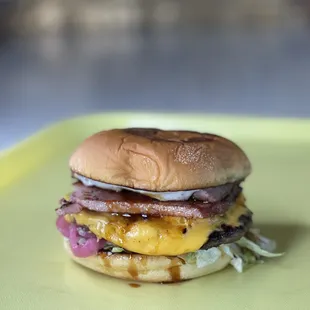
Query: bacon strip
126	202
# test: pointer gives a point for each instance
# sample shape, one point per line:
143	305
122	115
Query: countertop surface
44	79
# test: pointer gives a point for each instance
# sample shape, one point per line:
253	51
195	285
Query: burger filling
212	194
211	221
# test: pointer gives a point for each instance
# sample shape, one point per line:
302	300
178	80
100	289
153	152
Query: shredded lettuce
210	256
248	244
234	252
110	247
238	264
117	249
264	243
202	258
247	251
190	258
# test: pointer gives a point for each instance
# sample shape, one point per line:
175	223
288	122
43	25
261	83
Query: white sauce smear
163	196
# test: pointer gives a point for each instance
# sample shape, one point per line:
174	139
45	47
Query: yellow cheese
156	236
67	196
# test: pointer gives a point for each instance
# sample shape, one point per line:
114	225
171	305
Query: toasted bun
147	268
158	160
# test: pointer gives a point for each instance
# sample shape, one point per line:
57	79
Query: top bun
159	160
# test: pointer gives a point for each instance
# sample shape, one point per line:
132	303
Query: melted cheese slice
157	236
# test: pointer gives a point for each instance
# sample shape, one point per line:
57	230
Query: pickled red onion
88	248
63	226
83	243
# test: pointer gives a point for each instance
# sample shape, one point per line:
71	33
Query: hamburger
159	206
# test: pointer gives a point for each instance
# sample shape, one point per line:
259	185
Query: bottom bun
147	268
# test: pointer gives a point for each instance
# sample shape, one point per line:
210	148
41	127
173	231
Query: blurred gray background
62	58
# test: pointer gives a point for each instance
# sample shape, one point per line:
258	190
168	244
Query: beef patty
229	234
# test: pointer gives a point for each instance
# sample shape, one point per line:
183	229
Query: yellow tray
35	272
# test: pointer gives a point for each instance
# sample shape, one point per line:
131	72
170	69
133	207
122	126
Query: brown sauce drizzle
175	273
143	260
134	285
105	260
132	267
175	270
